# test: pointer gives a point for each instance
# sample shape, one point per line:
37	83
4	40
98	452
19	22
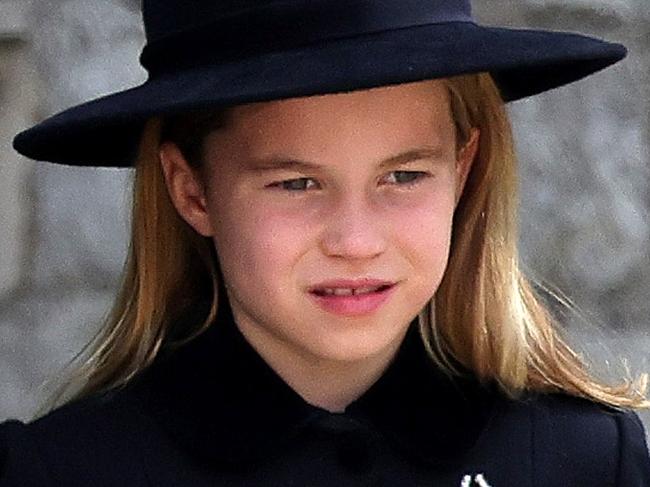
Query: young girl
323	284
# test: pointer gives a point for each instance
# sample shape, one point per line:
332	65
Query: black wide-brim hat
203	53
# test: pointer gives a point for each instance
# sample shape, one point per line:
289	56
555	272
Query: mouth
353	301
346	292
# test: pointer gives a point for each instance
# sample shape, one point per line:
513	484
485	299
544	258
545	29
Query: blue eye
412	177
292	185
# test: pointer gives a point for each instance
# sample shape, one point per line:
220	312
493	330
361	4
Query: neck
332	386
328	384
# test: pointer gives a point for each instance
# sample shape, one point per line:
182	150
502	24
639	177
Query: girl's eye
408	178
292	185
398	178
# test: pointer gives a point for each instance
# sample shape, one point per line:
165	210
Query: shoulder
577	439
74	445
20	463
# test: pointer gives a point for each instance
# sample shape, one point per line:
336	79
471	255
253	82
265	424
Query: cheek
255	245
422	232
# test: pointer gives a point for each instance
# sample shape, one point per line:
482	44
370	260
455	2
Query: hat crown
168	17
178	30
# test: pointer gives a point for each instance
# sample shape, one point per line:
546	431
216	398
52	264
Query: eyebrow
283	163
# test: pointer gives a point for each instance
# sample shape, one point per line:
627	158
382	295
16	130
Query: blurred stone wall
585	164
63	253
583	150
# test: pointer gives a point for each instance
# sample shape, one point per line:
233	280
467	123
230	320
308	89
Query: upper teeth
349	291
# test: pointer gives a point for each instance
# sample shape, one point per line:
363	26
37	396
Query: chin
357	343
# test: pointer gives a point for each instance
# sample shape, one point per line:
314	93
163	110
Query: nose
354	229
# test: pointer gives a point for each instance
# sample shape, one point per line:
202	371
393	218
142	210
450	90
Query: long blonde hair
484	316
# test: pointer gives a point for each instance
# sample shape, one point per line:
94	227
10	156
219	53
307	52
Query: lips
348	287
352	298
349	291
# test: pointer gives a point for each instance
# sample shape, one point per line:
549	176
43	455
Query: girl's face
339	187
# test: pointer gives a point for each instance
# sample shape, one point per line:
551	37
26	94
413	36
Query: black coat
214	414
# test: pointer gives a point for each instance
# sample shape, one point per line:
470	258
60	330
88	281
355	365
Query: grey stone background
584	152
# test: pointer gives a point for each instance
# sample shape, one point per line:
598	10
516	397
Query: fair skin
349	218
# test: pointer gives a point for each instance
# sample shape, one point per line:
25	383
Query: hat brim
523	62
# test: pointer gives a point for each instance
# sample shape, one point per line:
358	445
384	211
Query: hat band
283	25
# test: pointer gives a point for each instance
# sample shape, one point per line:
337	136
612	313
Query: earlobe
465	161
186	190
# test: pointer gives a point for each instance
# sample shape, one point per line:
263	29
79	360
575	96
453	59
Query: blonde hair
485	315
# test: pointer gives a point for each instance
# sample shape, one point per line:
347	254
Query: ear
465	160
186	189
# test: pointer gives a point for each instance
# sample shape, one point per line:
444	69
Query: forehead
428	97
329	125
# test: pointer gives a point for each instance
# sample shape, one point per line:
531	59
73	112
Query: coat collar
219	400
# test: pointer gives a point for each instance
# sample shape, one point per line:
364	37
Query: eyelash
421	176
